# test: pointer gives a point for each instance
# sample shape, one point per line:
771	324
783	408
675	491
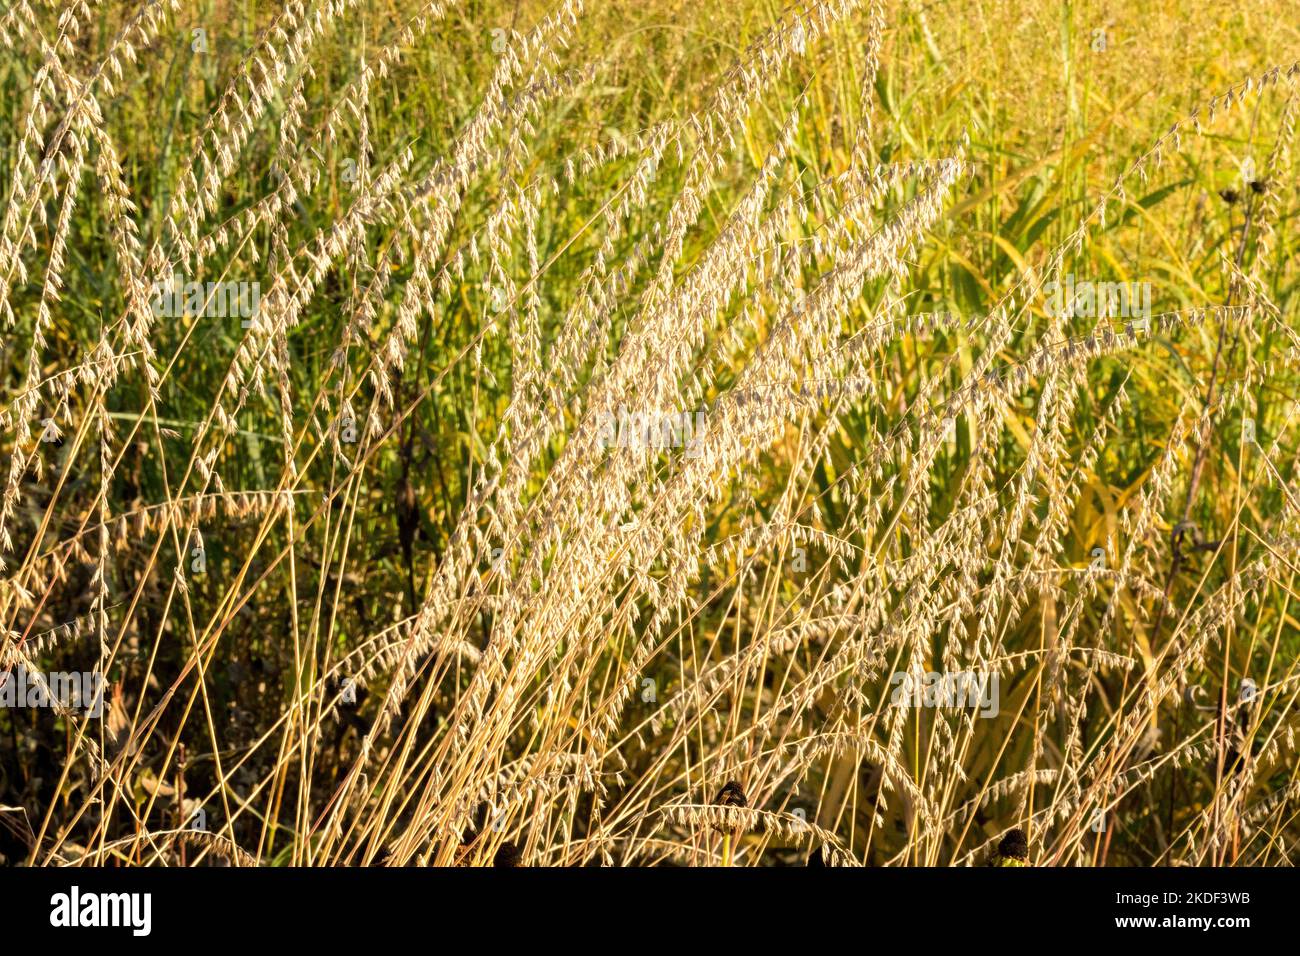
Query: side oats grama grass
344	532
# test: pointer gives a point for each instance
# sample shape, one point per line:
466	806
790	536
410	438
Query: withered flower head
1014	849
732	795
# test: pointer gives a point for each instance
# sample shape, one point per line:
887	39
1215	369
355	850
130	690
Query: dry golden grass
634	395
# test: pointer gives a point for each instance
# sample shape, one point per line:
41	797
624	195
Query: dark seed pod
1230	196
1259	186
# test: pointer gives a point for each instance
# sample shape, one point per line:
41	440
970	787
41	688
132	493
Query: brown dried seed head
1014	846
732	795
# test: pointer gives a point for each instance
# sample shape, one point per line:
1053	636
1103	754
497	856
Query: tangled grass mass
470	433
